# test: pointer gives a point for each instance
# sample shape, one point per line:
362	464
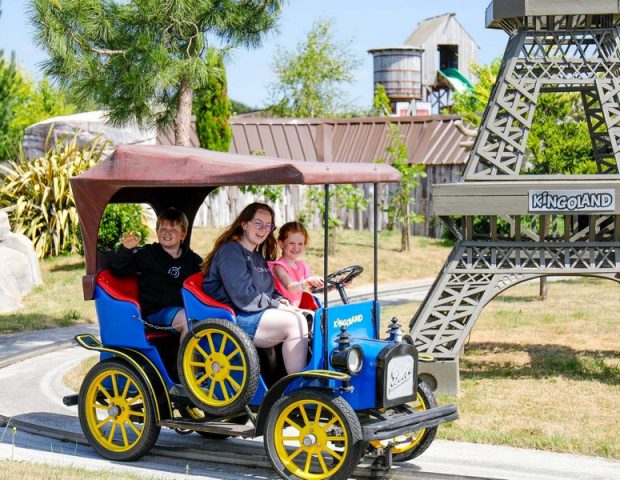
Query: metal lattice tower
560	224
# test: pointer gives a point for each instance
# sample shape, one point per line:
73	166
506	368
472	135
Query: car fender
142	365
278	388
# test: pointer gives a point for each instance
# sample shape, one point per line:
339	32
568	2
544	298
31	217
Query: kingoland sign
571	200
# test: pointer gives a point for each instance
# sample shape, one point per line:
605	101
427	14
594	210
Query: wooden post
469	227
544	226
493	227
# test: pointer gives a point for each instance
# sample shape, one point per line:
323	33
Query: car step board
223	428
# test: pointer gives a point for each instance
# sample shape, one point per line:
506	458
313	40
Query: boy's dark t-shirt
160	276
241	279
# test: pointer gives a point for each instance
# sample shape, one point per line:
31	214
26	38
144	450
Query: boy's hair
292	227
173	216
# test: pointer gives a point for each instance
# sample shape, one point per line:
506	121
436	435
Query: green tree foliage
240	107
212	109
39	101
399	199
558	141
310	78
117	219
345	196
309	84
39	189
9	85
380	102
23	103
142	59
472	103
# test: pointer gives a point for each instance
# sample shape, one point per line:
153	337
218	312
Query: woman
236	273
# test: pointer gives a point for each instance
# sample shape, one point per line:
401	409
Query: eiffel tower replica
558	224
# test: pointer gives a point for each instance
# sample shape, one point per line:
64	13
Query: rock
19	267
89	125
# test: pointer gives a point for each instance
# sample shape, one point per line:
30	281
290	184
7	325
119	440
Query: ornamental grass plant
39	190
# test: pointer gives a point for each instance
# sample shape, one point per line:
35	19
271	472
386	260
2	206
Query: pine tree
213	108
142	59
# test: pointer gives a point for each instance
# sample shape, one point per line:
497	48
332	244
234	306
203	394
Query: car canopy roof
165	176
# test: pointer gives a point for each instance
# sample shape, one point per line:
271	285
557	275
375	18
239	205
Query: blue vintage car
358	396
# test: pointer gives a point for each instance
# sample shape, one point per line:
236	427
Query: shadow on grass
516	299
68	267
544	361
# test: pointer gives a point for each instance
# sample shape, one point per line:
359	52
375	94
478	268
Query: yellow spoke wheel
411	445
116	411
218	366
313	435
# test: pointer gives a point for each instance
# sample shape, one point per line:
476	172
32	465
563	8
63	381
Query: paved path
16	346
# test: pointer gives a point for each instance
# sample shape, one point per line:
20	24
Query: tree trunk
543	291
331	242
404	231
183	119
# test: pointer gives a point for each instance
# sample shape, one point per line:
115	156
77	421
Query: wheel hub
114	411
218	366
309	440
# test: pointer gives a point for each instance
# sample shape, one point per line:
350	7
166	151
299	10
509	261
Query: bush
45	210
119	218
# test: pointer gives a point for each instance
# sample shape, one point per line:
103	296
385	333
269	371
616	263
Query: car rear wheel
218	366
116	412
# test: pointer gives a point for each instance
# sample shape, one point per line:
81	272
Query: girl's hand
315	281
285	302
130	240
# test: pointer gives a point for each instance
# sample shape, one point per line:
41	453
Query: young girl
292	276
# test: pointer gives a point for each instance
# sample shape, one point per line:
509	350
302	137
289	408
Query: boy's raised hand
130	240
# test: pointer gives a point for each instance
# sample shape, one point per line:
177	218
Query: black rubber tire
212	386
143	418
347	426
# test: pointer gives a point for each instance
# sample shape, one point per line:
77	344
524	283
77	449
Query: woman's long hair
234	232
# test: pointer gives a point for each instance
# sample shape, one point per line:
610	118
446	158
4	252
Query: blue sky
365	24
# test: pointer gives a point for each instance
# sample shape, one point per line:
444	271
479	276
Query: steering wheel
339	280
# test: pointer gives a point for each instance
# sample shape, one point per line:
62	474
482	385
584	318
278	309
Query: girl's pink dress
296	274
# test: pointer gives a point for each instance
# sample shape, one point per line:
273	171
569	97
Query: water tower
399	70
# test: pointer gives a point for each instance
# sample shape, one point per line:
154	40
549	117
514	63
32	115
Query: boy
162	267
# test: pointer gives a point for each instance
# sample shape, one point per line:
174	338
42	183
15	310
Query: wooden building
433	141
447	49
